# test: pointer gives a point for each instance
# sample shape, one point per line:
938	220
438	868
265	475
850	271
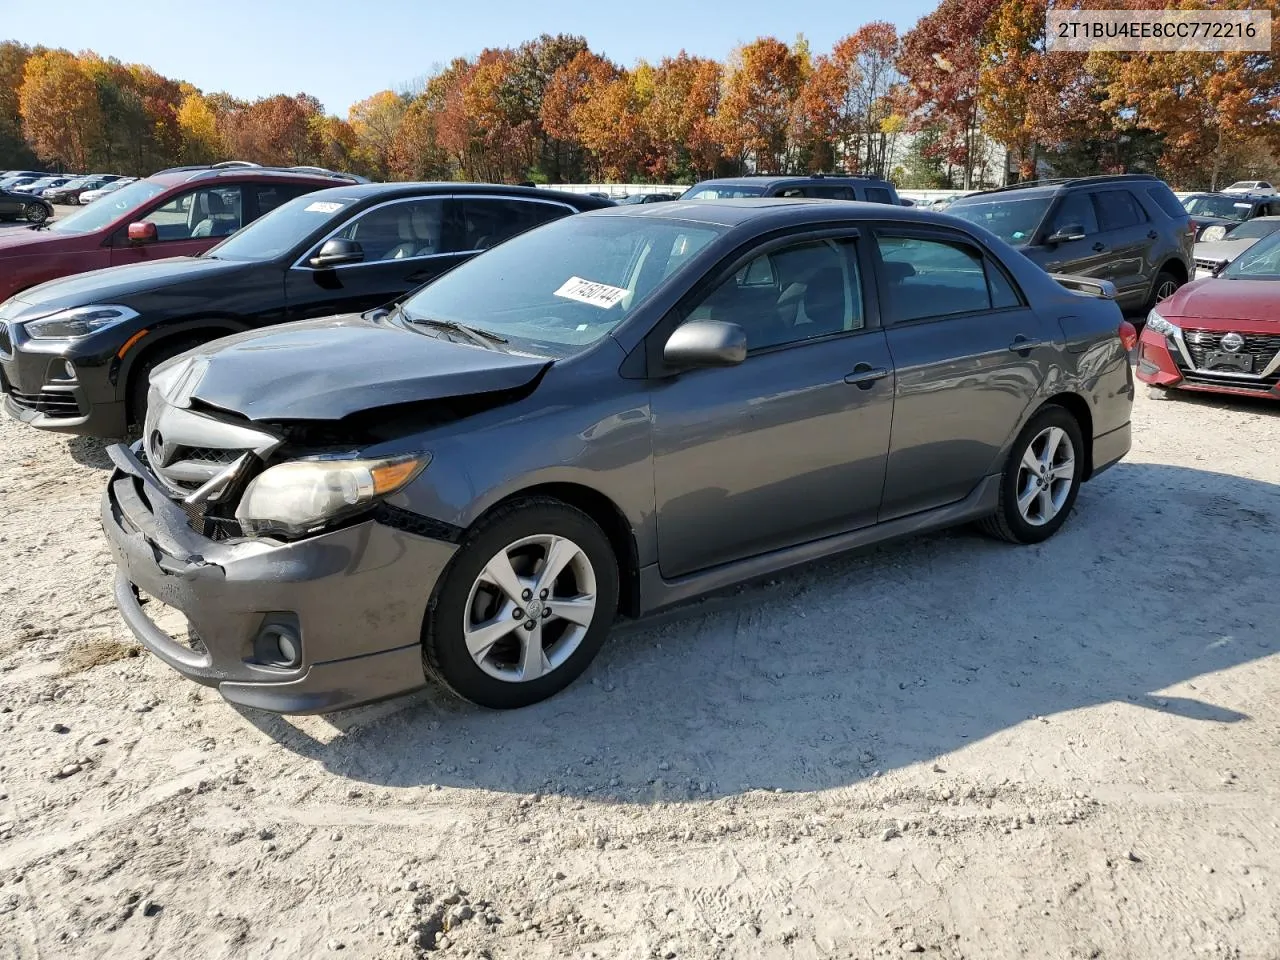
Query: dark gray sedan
602	416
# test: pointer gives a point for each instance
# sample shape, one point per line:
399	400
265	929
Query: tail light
1128	334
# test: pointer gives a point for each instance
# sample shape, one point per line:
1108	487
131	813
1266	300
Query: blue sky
343	50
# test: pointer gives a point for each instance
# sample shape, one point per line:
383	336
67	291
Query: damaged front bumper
353	600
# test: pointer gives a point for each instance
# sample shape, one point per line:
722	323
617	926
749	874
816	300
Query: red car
176	213
1220	334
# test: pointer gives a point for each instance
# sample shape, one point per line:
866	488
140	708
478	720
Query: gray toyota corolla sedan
603	416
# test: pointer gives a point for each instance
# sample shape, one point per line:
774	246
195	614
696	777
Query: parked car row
60	188
501	417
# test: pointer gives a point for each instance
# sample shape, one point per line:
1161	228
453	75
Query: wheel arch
1078	407
602	509
163	338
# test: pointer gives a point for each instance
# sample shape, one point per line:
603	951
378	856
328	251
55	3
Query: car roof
768	181
773	212
393	191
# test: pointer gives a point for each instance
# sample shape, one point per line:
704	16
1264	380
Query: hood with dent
118	284
331	368
1227	249
1252	301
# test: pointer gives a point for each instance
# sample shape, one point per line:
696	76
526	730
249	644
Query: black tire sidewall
1024	532
445	650
1161	278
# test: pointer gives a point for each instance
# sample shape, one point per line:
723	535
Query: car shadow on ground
820	676
90	452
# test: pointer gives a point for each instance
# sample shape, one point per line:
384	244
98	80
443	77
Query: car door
969	357
1085	254
1131	238
405	243
10	205
790	444
186	224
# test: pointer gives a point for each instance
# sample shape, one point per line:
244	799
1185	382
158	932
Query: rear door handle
1153	235
864	376
1099	246
1022	345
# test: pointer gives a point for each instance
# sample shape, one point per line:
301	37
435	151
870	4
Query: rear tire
511	647
36	213
1041	479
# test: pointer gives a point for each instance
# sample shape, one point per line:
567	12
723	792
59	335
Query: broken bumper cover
357	597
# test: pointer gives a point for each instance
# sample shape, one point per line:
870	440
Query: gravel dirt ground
948	747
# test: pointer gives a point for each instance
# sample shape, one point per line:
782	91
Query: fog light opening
70	369
278	645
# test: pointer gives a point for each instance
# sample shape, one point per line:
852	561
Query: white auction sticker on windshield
323	206
588	291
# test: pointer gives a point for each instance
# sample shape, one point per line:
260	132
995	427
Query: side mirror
143	233
1072	231
335	252
1220	266
706	343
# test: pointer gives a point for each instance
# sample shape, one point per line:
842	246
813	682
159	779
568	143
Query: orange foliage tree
61	115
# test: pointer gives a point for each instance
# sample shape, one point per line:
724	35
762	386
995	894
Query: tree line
922	109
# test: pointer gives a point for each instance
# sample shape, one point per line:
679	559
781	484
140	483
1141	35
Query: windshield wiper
483	338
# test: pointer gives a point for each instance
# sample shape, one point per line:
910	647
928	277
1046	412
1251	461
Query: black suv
75	353
1226	210
1129	229
817	187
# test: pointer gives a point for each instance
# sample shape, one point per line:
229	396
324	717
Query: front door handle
1099	246
1024	346
864	376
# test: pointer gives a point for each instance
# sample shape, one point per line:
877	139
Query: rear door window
487	221
1118	209
927	278
1075	210
1166	201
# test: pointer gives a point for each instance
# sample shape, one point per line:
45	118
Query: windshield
1254	229
1259	262
1013	220
563	285
1228	208
723	191
280	230
108	209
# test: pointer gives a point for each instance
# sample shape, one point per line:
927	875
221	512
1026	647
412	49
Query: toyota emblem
1232	342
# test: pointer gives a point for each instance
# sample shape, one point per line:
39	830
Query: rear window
1166	201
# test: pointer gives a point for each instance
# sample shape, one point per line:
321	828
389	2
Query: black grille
206	455
48	402
6	339
1262	347
215	528
1207	263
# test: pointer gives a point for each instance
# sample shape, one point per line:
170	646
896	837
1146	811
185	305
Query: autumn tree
763	79
416	153
679	117
867	61
375	122
14	151
273	130
61	115
941	61
198	130
1206	107
535	64
567	90
609	126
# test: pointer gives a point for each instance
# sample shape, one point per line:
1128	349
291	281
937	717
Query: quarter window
791	295
398	231
273	195
878	195
830	193
486	222
197	214
932	278
1118	209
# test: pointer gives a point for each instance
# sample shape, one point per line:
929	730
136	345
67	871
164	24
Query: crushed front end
304	622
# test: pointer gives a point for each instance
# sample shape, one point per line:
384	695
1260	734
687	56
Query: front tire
523	607
37	213
1166	285
1041	479
140	378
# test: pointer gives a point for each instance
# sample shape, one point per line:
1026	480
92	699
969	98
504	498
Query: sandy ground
949	747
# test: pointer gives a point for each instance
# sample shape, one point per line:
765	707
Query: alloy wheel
1166	290
530	608
37	213
1045	475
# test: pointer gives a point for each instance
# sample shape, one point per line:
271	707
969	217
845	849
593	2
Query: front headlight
300	496
77	322
1158	324
1216	232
